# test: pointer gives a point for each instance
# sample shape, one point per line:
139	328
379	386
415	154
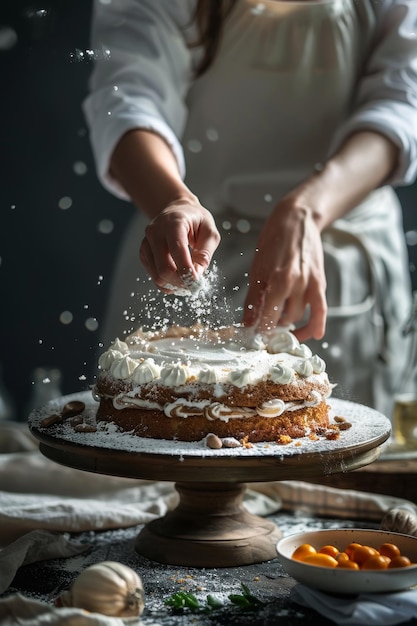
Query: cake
189	383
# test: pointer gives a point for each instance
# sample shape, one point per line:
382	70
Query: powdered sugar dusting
368	425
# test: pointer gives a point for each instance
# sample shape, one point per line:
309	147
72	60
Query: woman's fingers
179	245
287	282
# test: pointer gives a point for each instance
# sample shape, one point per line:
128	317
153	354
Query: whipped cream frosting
244	359
239	361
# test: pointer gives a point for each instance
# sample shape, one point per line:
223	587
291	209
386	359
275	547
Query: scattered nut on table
214	442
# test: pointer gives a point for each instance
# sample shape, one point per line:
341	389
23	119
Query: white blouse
290	81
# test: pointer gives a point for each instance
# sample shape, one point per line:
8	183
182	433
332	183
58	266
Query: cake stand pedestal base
209	528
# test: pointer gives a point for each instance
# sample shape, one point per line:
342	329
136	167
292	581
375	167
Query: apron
268	110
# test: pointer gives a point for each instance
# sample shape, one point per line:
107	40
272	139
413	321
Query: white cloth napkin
17	610
38	545
366	609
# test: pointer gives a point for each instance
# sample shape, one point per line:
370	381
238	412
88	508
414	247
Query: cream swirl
146	372
174	374
108	357
220	411
120	346
208	375
123	368
303	351
184	408
304	368
319	366
281	374
243	377
314	398
124	400
271	408
282	341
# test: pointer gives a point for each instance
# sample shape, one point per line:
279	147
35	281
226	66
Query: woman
277	129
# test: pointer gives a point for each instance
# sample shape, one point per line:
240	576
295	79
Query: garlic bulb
109	588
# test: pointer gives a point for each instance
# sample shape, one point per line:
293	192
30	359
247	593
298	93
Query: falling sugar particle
105	226
65	203
335	351
243	226
268	197
204	305
80	168
212	134
66	317
194	146
8	38
411	237
91	324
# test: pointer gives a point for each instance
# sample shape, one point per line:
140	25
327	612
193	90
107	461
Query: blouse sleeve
140	77
386	99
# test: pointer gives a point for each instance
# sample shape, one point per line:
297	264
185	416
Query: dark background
53	259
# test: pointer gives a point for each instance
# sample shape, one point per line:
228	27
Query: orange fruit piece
347	564
377	561
351	547
363	553
324	560
389	549
330	550
400	561
342	557
305	549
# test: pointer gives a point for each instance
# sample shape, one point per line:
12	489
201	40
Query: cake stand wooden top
120	454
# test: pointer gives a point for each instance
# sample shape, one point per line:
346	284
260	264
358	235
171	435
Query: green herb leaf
213	602
183	600
246	600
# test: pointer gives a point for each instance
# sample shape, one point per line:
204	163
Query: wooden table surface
267	581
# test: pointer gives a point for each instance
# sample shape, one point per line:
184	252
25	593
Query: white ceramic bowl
344	581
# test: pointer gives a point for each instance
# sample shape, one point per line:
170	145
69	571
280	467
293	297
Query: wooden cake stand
210	527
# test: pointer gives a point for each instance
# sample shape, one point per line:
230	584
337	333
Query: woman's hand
181	236
179	244
287	274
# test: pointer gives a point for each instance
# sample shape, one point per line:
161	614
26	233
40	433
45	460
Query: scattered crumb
84	427
332	435
284	440
344	425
